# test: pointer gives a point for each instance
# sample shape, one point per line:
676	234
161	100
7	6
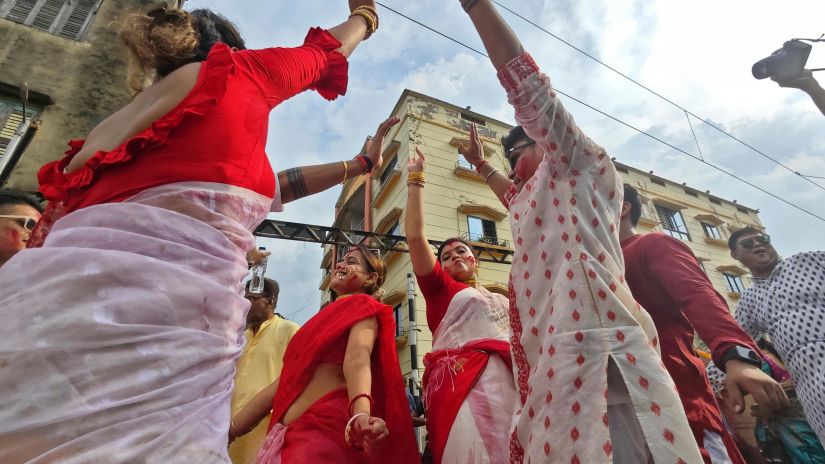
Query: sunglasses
25	222
751	242
514	159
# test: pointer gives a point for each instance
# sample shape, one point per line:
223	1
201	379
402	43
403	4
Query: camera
787	62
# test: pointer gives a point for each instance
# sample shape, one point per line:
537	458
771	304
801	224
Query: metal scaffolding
396	243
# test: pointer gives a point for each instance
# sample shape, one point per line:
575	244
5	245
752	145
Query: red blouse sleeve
284	72
438	289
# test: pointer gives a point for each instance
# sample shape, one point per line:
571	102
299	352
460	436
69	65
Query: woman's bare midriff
326	378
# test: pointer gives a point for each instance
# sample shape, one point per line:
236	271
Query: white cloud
698	54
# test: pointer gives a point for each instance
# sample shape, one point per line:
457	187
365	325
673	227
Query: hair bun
379	294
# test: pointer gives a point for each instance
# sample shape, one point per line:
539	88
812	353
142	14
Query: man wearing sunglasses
19	213
787	301
266	337
667	280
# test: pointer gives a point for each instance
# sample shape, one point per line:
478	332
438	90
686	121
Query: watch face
747	353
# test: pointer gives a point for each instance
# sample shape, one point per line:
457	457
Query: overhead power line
620	121
714	126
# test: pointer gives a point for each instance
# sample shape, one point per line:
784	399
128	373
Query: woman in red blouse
469	390
122	330
340	397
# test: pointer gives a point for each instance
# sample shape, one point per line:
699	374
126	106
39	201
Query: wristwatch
741	353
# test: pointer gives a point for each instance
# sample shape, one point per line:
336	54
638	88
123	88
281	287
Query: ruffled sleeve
283	72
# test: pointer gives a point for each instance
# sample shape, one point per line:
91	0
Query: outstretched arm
500	41
474	154
303	181
807	84
352	31
253	413
421	255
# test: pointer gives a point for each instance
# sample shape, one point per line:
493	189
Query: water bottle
258	271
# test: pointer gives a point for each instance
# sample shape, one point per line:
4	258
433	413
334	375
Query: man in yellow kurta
266	336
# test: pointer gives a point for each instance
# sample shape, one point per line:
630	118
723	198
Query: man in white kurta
572	314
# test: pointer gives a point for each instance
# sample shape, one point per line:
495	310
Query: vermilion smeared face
527	162
458	261
350	274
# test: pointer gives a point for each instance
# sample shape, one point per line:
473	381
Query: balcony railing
485	239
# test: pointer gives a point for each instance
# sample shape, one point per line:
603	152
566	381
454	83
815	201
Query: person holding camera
806	83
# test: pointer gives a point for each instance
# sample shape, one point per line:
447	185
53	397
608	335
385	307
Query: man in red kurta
667	280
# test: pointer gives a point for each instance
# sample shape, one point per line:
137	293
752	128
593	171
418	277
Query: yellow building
459	203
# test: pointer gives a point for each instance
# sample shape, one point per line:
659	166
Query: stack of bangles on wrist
370	16
467	5
366	163
416	178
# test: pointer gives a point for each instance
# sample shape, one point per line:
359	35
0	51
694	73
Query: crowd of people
129	336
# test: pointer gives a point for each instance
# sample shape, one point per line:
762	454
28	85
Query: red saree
303	355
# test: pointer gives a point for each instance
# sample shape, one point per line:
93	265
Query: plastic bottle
258	271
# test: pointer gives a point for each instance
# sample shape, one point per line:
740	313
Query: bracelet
491	173
366	163
417	184
345	171
482	163
348	429
467	5
370	16
415	177
360	395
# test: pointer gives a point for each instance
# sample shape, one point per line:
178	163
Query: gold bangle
415	177
345	171
415	183
372	22
490	175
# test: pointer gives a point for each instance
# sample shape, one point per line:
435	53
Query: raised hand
353	4
416	162
803	81
473	153
375	144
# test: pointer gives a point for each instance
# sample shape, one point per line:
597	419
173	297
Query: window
463	163
672	222
734	282
482	230
64	18
477	121
712	230
399	328
391	167
13	127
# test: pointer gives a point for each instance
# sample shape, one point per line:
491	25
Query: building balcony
495	241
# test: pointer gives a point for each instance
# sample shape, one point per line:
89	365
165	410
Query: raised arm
544	118
253	413
500	41
303	181
421	255
353	31
807	84
474	154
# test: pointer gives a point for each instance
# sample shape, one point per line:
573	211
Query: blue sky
697	54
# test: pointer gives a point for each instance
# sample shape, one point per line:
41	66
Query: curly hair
164	39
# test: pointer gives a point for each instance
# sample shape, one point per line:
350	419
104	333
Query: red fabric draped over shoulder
307	348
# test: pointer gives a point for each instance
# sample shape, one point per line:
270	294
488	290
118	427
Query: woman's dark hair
509	141
632	196
453	240
164	39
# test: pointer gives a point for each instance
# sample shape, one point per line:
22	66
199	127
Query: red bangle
360	395
366	163
482	163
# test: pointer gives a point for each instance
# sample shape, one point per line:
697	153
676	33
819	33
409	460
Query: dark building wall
86	80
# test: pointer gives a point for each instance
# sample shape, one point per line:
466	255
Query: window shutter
20	10
79	17
46	17
8	130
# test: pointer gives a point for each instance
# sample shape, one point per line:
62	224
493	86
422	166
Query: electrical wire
710	124
614	118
